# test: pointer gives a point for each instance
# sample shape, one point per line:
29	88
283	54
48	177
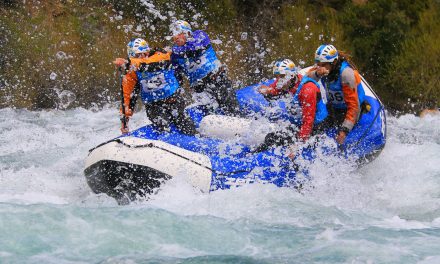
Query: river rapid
387	211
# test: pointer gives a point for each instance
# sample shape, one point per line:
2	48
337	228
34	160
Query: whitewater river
386	212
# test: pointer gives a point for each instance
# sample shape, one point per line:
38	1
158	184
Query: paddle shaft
123	118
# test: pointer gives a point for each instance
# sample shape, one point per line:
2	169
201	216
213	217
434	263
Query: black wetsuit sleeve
135	96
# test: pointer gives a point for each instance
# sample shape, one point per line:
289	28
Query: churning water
387	211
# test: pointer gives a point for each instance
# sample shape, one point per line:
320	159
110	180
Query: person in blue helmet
307	106
194	58
129	101
150	73
346	94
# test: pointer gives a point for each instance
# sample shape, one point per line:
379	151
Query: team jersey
196	59
347	93
154	75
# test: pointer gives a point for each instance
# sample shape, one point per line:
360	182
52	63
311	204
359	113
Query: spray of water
384	211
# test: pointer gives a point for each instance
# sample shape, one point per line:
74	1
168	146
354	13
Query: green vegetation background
58	53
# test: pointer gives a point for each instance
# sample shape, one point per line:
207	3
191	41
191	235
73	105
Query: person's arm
201	40
308	98
128	82
351	98
198	42
317	73
270	90
349	80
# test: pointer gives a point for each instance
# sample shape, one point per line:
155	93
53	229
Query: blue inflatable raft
226	152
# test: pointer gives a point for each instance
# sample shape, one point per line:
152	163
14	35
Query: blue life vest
196	58
335	94
200	66
157	85
321	109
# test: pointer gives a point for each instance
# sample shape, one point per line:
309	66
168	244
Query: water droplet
53	76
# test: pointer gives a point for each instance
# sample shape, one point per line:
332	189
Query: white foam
43	153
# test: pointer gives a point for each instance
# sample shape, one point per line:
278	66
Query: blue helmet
326	53
180	26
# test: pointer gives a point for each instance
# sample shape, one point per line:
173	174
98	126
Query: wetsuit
197	60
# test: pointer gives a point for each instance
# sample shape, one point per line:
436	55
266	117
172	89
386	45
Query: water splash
385	211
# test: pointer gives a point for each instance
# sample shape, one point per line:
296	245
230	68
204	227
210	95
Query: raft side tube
249	131
114	167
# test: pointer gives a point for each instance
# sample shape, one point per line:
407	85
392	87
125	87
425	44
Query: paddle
123	118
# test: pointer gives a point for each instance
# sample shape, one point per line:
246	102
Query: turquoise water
385	212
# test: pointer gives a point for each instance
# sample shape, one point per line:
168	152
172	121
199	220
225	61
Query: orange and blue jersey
345	97
154	75
196	59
